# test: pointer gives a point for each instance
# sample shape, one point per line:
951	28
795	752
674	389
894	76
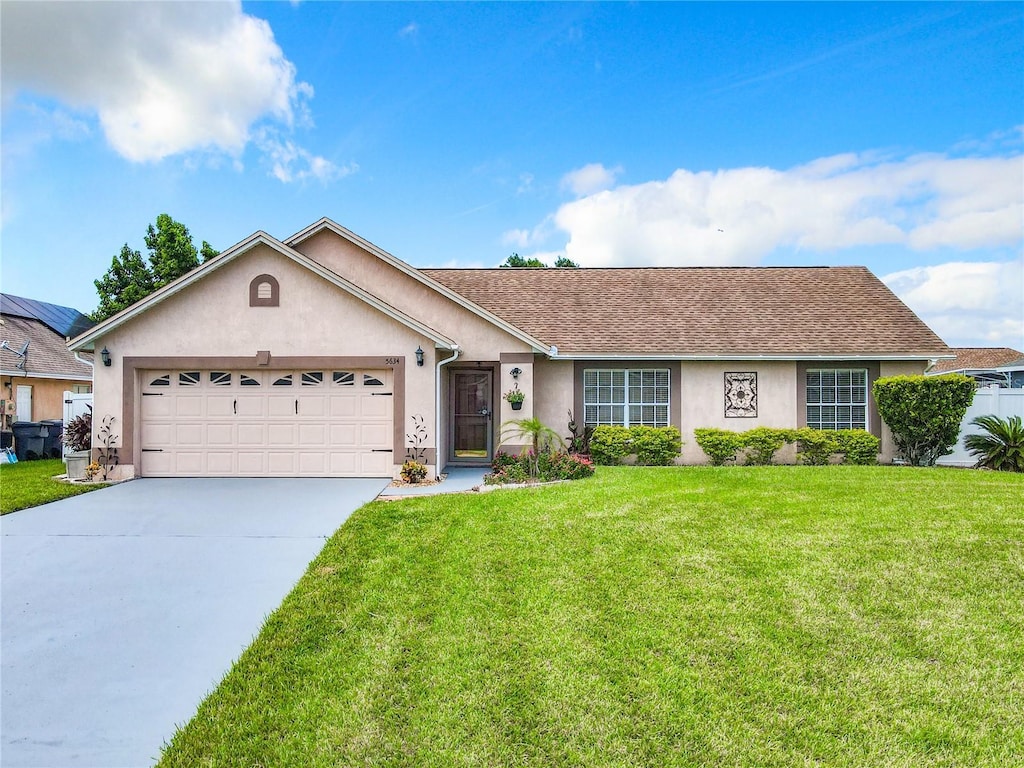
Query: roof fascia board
730	358
415	274
257	238
34	375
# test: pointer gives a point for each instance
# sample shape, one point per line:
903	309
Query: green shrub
720	445
858	446
762	443
655	446
508	468
815	446
608	444
1002	448
924	413
413	471
564	466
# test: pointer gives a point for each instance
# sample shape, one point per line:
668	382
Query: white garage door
316	423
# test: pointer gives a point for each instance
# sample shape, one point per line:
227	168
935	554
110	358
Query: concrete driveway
121	609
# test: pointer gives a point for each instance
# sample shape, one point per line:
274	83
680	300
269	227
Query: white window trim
866	403
626	403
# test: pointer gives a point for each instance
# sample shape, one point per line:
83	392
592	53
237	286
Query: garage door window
371	381
220	378
161	381
188	379
284	381
247	381
312	378
344	379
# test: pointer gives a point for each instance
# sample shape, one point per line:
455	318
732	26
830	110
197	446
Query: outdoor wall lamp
515	373
105	356
419	355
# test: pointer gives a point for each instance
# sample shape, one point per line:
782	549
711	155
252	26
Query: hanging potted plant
78	437
515	398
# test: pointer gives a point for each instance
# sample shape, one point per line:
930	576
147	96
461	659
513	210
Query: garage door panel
252	463
220	406
221	435
312	435
188	406
239	423
188	462
374	407
375	435
220	462
281	407
343	406
250	435
156	406
189	435
281	435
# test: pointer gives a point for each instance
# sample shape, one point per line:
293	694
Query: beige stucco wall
315	318
478	338
702	401
553	393
898	368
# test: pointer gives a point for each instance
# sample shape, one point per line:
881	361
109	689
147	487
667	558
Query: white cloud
590	179
163	78
409	30
967	303
737	216
290	162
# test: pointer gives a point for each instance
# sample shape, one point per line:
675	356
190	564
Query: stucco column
522	368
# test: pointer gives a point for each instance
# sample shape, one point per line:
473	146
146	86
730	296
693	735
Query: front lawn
736	616
30	483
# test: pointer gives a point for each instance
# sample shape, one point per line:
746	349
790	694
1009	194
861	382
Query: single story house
1014	372
36	366
986	365
323	355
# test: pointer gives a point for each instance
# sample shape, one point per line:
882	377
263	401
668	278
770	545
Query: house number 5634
391	361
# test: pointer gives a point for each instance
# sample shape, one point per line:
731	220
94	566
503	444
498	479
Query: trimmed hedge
653	446
814	446
924	413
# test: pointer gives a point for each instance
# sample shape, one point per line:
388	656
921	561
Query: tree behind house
129	279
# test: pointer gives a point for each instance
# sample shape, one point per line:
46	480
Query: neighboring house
986	365
324	355
36	380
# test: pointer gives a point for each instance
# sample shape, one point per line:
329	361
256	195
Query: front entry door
472	411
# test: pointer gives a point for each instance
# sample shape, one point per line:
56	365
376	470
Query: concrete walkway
458	480
121	609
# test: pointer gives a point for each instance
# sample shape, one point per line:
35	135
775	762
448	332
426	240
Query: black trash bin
53	445
29	439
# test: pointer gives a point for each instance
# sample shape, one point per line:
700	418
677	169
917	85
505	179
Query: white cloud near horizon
163	78
967	303
590	179
738	216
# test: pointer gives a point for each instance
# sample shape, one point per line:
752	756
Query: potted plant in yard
515	398
78	437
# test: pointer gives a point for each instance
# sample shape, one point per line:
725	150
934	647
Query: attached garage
278	423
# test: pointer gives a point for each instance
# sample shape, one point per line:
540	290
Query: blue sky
888	135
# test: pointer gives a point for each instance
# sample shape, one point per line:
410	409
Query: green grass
736	616
30	483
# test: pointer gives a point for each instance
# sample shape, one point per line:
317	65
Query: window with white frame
626	397
837	398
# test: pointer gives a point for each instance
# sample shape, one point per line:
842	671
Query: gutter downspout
438	441
79	359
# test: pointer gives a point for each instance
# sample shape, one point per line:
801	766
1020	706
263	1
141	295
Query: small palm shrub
1002	448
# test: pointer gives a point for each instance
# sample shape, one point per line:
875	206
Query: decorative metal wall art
741	395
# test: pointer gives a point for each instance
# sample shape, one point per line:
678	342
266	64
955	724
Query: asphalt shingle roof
782	311
47	351
977	359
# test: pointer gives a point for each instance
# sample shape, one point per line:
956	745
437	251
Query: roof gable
258	238
421	276
783	312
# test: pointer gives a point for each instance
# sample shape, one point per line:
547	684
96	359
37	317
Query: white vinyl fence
75	405
988	401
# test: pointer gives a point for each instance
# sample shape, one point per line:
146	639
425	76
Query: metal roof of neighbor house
66	321
48	354
702	311
977	359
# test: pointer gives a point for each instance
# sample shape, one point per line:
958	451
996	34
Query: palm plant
540	437
1002	448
